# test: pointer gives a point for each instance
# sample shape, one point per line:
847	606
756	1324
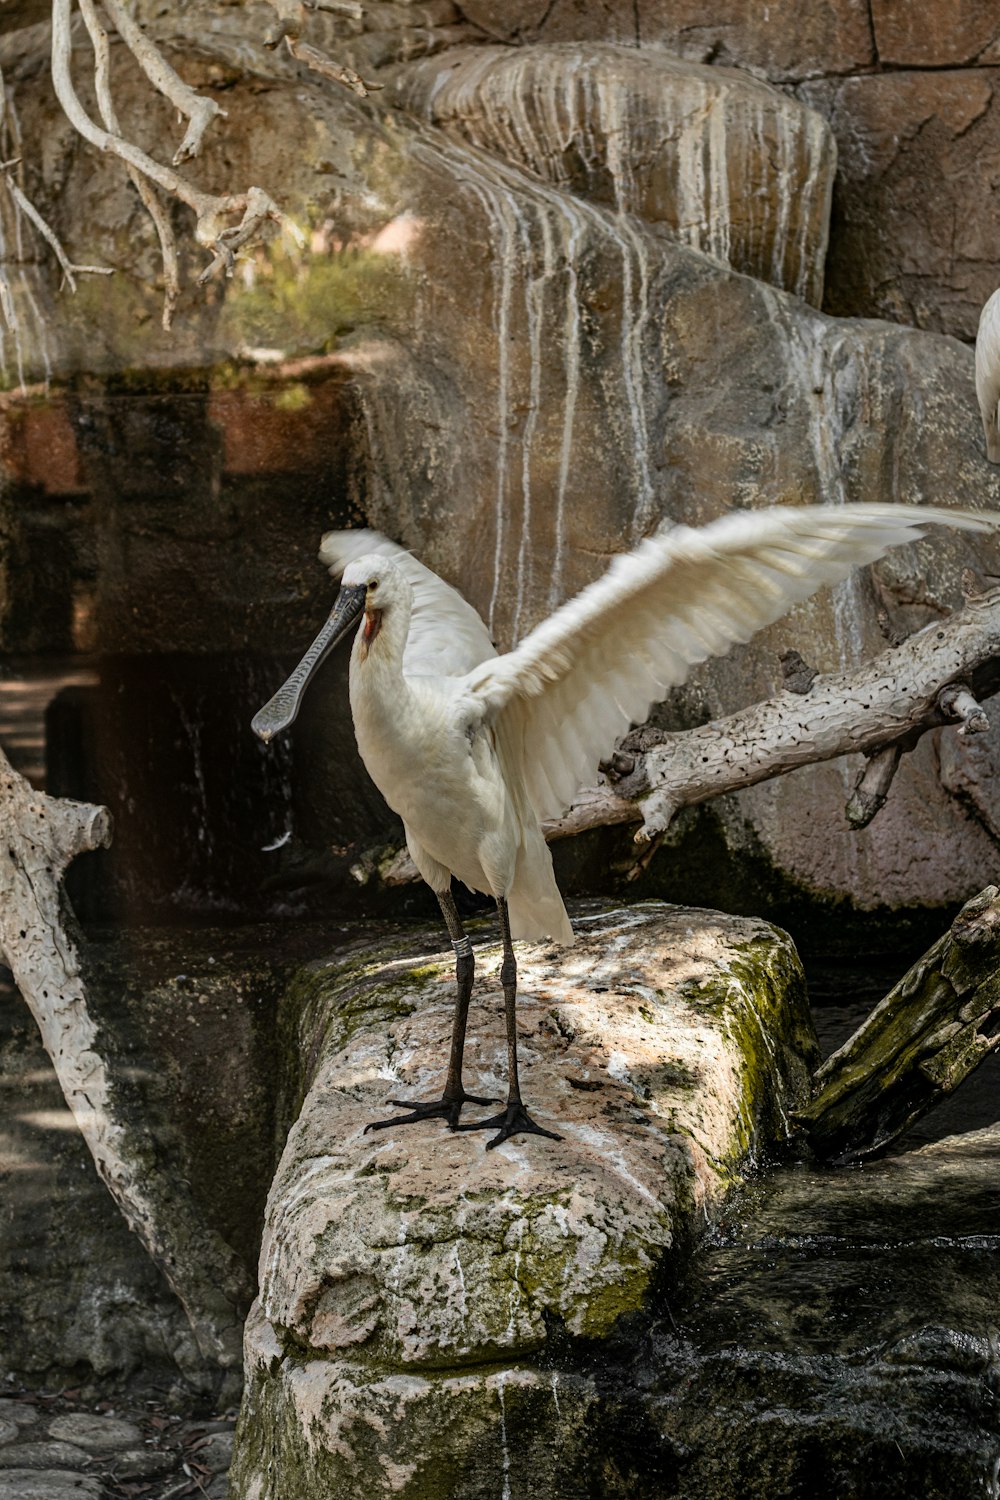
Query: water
837	1333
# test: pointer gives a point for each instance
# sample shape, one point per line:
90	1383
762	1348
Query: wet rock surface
838	1336
721	162
64	1446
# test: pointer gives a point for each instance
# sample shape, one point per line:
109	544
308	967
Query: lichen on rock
411	1272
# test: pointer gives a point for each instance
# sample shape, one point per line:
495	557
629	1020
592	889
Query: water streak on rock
571	356
820	363
538	235
726	163
505	1448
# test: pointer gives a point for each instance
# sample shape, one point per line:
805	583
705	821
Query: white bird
988	373
474	750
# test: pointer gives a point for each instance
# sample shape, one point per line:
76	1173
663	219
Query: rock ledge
667	1048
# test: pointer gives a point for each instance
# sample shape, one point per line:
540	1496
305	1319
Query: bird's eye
373	583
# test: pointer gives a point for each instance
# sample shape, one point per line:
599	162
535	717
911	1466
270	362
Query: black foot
515	1120
436	1109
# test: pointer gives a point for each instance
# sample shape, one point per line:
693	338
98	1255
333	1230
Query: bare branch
199	109
892	696
69	269
318	61
258	208
24	204
288	29
873	785
210	231
146	191
39	836
956	702
349	8
929	1032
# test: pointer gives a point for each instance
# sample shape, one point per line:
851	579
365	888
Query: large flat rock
667	1049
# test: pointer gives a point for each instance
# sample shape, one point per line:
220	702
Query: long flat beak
280	711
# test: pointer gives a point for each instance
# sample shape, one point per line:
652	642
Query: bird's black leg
514	1120
449	1106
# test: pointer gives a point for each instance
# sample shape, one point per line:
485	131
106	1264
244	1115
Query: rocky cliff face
557	293
911	102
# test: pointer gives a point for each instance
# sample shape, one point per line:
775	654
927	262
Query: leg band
462	947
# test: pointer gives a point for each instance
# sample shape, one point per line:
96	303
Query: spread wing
447	638
988	372
577	682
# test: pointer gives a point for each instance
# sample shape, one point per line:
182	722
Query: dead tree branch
929	1032
39	836
891	699
145	189
23	205
199	109
69	269
211	210
291	19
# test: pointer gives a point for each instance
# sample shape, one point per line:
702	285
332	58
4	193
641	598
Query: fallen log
39	837
932	1029
888	701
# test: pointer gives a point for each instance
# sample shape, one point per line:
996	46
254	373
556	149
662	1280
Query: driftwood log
39	836
930	1031
936	677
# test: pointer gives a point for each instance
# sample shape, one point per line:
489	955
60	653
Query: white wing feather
577	682
988	373
447	638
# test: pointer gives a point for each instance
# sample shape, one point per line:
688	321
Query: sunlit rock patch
668	1049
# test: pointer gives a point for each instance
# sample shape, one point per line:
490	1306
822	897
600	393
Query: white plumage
475	750
988	373
560	699
446	636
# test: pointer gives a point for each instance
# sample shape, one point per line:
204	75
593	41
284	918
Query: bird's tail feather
534	903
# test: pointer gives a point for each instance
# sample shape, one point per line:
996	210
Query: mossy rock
668	1050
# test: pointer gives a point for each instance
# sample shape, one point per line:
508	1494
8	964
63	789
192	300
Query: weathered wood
39	836
872	788
930	1031
892	698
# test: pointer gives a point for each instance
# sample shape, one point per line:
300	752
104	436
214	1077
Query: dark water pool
838	1334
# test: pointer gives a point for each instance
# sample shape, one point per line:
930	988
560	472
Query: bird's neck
377	655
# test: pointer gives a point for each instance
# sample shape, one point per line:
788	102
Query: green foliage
295	303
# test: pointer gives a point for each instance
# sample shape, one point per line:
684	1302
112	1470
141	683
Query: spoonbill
988	373
474	750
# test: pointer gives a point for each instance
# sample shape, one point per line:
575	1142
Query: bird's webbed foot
514	1120
447	1108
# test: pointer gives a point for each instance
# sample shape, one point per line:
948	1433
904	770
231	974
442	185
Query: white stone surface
725	163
